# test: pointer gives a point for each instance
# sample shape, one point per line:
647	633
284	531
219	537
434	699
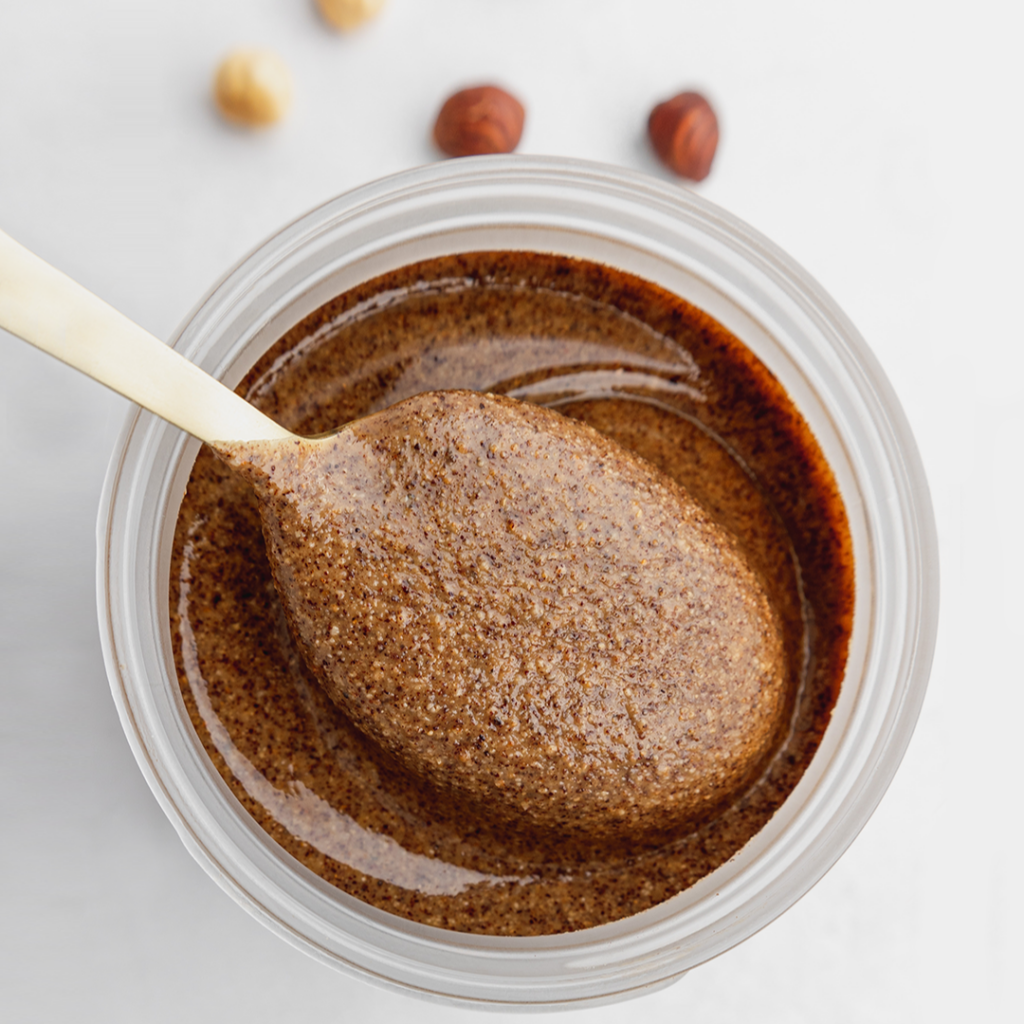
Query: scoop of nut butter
525	616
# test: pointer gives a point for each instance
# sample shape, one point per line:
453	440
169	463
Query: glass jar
676	239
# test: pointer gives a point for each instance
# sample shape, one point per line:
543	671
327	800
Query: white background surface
880	143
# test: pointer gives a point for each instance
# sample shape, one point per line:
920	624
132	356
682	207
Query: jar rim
678	240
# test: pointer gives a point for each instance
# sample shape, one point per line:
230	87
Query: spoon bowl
527	617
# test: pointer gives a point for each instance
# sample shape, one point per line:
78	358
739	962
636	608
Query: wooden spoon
521	613
47	309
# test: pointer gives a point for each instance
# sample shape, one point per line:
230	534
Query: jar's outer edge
917	513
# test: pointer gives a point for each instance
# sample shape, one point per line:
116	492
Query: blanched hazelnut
253	87
349	14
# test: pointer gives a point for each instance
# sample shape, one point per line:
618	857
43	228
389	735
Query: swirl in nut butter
532	671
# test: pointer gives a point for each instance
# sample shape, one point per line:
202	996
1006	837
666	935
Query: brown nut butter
572	829
524	615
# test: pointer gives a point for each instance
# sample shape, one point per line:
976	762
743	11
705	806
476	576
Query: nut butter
524	615
362	808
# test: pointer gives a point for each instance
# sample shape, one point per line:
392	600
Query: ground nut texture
525	616
507	790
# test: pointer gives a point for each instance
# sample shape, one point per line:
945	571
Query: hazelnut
684	132
485	119
253	87
348	14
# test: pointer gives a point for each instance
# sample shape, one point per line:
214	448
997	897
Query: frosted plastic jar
685	244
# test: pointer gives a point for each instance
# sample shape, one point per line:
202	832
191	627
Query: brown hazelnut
485	119
684	132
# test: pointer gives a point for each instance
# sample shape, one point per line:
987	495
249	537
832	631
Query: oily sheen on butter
526	616
634	363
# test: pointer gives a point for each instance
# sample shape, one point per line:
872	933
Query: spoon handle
46	309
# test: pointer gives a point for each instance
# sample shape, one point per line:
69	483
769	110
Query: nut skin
684	133
348	14
484	119
253	88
